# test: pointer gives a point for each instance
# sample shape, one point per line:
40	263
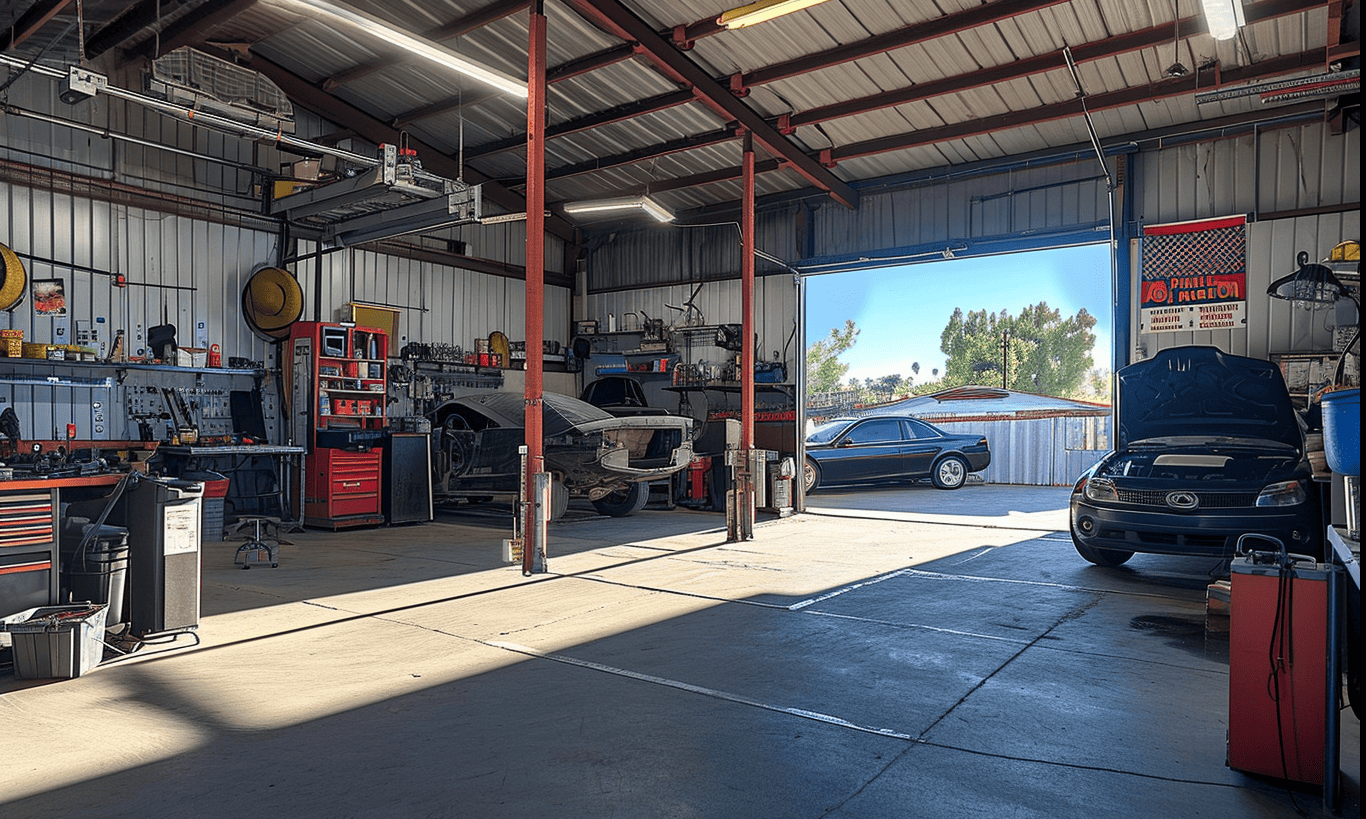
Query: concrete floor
949	657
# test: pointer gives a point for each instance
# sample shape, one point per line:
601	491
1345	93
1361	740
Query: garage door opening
967	345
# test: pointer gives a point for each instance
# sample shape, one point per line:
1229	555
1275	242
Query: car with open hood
1208	447
588	452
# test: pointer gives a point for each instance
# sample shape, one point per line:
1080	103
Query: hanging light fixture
620	203
426	49
1223	18
1310	287
762	11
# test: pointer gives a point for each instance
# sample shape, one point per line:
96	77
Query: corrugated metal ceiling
879	124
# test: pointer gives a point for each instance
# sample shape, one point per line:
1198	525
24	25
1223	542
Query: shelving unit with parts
338	384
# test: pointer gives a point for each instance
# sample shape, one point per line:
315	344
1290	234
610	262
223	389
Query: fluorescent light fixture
644	203
426	49
762	11
1223	18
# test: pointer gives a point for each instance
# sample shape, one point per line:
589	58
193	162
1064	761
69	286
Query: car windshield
829	431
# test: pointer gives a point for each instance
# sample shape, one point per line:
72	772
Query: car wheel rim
808	476
951	473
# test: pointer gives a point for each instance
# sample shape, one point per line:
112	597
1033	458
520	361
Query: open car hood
1185	391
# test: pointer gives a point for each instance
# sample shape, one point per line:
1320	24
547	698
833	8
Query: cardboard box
192	357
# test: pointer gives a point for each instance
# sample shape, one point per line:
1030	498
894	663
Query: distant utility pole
1005	359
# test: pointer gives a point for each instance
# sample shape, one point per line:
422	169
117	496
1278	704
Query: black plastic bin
98	571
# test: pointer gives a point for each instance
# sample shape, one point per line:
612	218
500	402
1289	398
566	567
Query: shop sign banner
1194	276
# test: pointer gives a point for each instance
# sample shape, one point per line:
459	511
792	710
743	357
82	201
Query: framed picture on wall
49	297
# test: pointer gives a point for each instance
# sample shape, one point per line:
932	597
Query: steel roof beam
1043	63
945	26
677	66
1072	108
35	18
127	25
950	24
191	29
1019	119
651	105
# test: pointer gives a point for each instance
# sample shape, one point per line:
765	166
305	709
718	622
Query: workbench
237	462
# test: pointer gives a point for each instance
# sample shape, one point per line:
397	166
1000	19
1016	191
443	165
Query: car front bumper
1213	533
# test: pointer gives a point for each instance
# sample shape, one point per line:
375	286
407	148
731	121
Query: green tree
1037	351
824	370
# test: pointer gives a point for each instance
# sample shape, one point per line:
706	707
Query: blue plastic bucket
1342	431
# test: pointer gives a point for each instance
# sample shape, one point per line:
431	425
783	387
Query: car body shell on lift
588	452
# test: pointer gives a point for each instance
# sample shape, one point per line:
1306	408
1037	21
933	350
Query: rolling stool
263	543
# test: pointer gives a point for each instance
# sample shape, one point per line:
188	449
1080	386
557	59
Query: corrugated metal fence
1037	451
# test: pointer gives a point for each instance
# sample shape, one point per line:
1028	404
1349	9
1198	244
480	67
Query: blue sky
902	310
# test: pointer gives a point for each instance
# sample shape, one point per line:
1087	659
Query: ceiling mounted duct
204	83
15	282
271	302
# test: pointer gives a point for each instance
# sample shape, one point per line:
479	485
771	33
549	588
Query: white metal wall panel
1280	170
1038	451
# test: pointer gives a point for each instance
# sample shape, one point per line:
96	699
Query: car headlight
1285	493
1101	489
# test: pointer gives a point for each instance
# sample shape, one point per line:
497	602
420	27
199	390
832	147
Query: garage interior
261	247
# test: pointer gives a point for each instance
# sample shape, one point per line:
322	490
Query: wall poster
1194	276
49	297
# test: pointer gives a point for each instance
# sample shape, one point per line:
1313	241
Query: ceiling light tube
1223	18
426	49
762	11
643	203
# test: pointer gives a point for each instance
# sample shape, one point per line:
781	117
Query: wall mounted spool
15	282
272	300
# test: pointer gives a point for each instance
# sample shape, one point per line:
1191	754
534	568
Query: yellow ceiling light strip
762	11
15	283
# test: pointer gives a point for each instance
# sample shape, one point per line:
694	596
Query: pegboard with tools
166	409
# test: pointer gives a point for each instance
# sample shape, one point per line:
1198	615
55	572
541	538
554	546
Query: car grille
1208	500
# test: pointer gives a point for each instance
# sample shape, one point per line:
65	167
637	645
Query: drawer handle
350	483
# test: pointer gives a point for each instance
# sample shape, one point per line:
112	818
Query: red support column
535	277
747	293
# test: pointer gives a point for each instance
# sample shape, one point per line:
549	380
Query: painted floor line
696	689
970	578
844	589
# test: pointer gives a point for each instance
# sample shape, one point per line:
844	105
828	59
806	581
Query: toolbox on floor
58	641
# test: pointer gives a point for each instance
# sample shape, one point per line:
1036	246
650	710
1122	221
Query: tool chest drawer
29	567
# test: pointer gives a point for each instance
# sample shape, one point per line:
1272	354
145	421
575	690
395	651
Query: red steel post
535	272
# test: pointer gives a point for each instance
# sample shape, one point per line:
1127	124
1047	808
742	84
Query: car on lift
588	452
1208	447
890	448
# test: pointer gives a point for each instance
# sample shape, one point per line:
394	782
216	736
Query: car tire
624	502
811	476
1107	558
950	472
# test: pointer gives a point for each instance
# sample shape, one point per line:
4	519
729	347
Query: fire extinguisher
215	356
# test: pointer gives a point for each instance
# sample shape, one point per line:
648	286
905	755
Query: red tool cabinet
338	380
28	550
1278	660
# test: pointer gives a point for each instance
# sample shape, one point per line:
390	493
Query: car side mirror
845	442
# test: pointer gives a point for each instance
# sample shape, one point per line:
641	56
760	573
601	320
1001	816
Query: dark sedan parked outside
1208	447
883	448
